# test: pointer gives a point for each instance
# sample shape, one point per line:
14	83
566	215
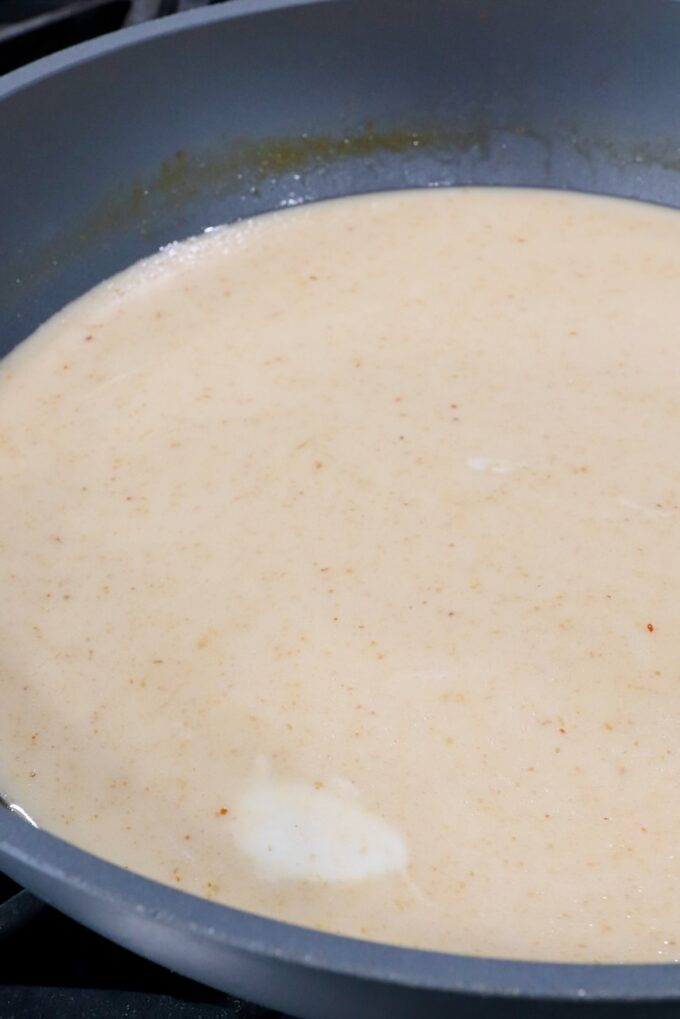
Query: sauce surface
340	571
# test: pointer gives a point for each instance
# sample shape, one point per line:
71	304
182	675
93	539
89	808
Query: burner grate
17	908
30	29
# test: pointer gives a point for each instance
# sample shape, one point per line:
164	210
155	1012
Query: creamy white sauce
490	463
340	571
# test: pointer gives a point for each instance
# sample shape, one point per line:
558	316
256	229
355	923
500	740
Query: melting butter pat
295	830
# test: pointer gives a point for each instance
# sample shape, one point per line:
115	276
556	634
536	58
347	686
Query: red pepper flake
222	812
88	337
650	627
562	729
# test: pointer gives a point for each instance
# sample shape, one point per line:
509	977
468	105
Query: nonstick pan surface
152	134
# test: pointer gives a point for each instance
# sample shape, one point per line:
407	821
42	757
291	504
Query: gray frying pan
120	145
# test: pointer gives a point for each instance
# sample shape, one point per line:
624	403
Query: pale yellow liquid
340	571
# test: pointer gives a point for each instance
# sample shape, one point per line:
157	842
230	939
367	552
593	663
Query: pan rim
123	38
32	850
